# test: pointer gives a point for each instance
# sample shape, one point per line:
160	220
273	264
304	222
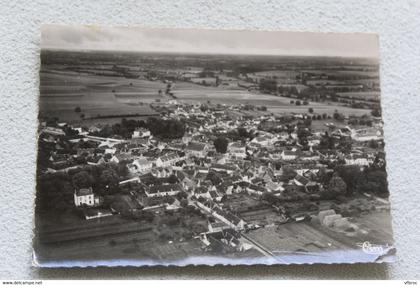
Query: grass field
61	92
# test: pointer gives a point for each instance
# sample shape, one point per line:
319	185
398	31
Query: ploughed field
97	96
108	96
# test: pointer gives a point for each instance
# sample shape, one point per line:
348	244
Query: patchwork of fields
61	92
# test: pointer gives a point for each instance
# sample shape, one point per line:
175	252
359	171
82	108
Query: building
197	149
360	160
237	150
85	196
141	133
163	190
167	159
141	165
288	155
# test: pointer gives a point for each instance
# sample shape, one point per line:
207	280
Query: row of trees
166	129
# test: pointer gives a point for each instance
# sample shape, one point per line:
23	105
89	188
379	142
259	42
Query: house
253	189
141	165
288	155
53	131
365	135
168	159
85	196
141	133
274	187
360	160
162	172
163	190
216	226
264	140
228	168
301	180
237	150
197	149
312	187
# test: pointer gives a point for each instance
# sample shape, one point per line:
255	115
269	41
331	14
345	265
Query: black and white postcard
183	146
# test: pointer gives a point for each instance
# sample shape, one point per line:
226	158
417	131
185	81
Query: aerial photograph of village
160	147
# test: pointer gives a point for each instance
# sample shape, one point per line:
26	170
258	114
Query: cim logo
370	248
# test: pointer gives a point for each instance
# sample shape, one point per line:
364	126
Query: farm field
361	95
310	237
98	96
193	93
61	92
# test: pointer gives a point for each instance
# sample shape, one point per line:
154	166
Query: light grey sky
209	41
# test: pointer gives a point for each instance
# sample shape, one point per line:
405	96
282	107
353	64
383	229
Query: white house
264	140
141	165
85	196
237	150
288	155
141	133
359	160
163	190
167	159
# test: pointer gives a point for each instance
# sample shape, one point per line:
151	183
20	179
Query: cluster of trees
370	179
268	85
363	120
165	129
221	144
55	190
328	142
338	116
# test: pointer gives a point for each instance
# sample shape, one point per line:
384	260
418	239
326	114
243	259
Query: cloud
209	41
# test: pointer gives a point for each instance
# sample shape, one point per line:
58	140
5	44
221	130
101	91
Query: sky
209	41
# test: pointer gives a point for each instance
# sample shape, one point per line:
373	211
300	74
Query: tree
376	112
109	178
297	103
352	176
337	184
373	144
184	203
172	179
310	110
338	116
82	179
374	181
77	109
243	133
268	85
181	195
214	178
221	144
288	172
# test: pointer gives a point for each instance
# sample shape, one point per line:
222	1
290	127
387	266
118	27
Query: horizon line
198	53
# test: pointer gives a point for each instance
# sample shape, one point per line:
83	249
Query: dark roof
165	188
303	180
84	191
195	146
